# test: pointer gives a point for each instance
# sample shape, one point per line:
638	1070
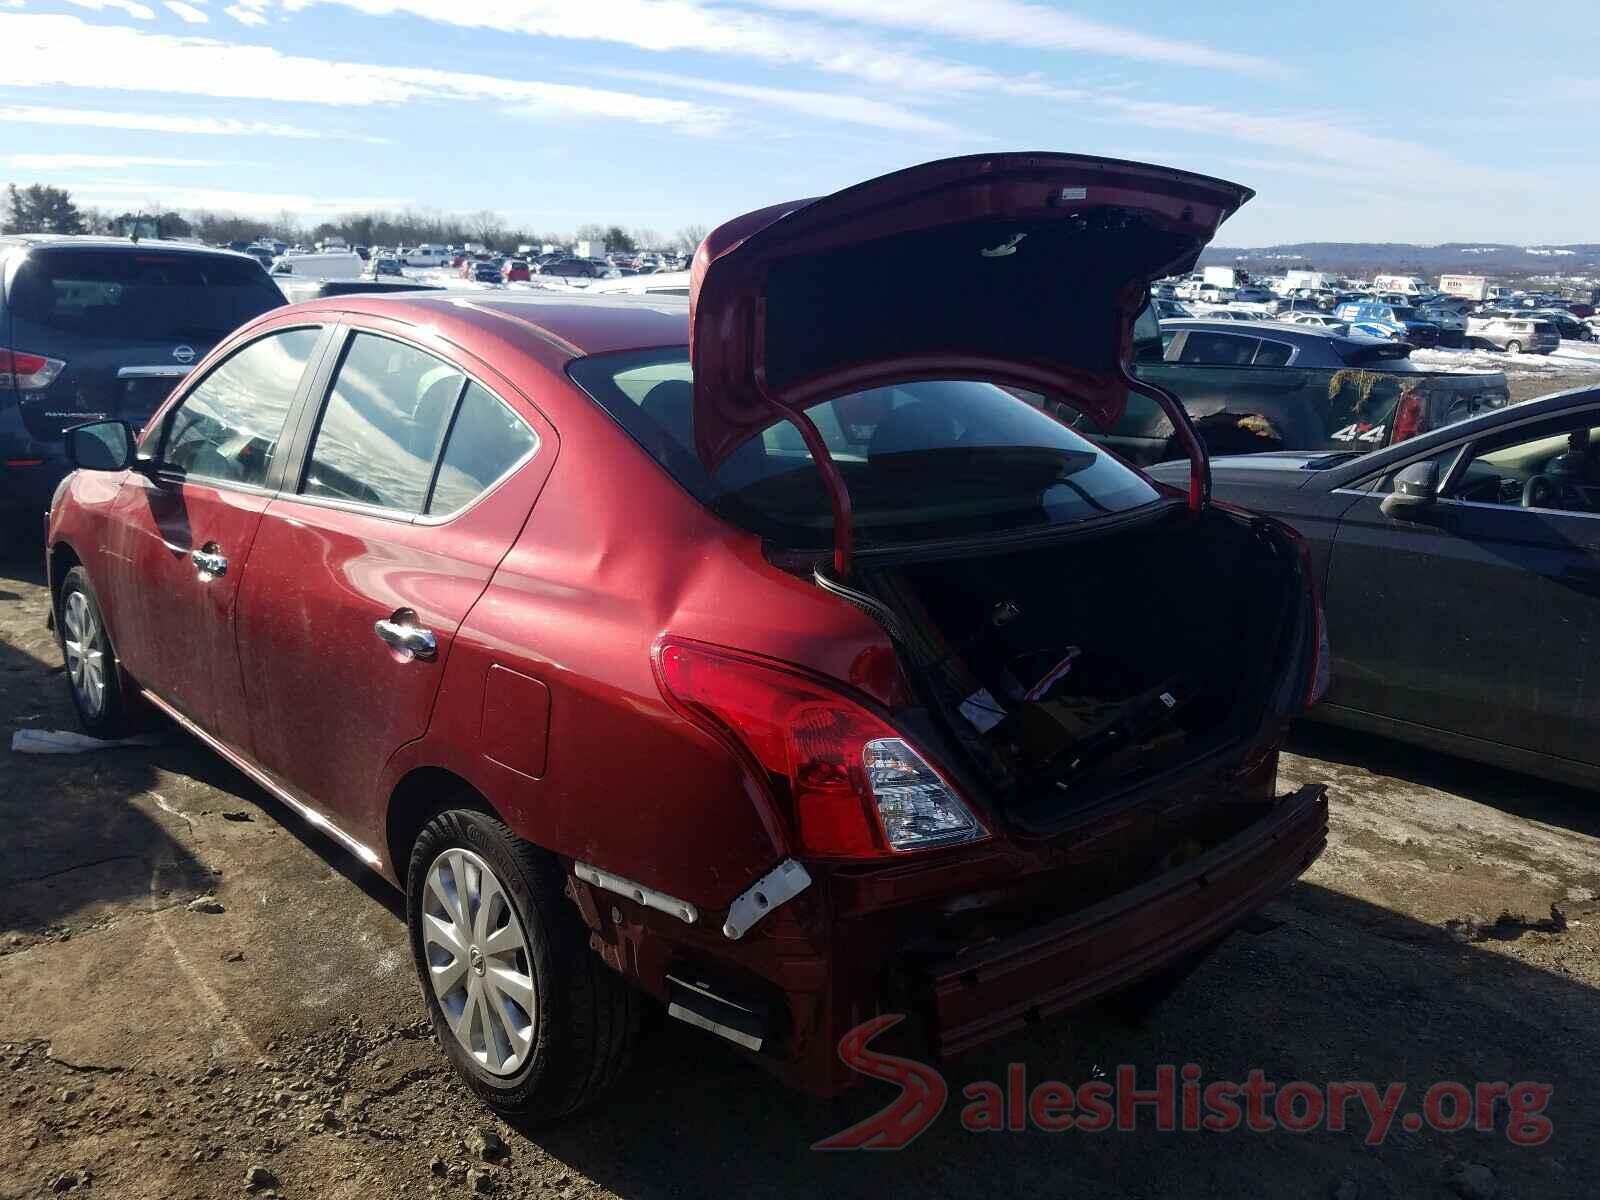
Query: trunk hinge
1131	301
832	482
1199	461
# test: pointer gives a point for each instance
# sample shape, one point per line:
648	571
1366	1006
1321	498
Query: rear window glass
139	295
384	421
921	460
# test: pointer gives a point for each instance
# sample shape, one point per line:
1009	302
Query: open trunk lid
1019	269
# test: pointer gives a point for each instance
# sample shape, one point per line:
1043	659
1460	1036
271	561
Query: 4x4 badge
184	354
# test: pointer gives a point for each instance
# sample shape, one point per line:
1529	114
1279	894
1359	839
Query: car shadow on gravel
183	754
1511	792
83	833
1336	989
74	850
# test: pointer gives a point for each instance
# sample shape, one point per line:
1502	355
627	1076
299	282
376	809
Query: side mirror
1416	489
100	446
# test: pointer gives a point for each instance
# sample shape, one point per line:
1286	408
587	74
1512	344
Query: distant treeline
40	209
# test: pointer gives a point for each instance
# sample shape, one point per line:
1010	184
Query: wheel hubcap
478	961
84	641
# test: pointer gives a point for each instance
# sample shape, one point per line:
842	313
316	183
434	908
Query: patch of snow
1571	358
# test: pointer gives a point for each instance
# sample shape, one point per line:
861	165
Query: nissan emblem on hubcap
475	957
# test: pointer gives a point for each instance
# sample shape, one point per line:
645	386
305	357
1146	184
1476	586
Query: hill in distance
1403	258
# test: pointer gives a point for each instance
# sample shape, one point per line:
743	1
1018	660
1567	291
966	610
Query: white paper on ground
67	741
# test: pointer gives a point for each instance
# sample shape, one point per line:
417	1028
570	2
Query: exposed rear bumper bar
1005	985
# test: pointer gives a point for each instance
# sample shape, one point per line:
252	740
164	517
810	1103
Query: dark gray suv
102	327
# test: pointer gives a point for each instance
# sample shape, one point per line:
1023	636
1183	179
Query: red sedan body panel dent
576	605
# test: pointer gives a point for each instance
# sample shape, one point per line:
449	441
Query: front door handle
209	561
402	635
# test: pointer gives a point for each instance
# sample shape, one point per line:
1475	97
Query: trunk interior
1072	672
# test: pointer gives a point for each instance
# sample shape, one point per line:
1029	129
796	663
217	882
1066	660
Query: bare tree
485	225
690	237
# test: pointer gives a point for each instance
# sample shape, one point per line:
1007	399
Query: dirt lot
1526	387
153	1047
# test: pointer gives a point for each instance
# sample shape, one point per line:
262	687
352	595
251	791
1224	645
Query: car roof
580	324
1230	326
79	241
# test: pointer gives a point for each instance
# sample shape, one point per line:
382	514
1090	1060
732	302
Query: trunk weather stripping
637	892
778	886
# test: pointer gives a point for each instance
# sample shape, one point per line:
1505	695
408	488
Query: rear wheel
92	669
1513	347
529	1015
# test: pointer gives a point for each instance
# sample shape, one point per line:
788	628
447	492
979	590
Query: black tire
587	1016
110	718
1513	347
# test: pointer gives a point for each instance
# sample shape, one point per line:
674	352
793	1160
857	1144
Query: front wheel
1513	347
92	669
532	1019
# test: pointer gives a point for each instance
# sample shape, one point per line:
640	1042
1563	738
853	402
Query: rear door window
228	428
382	425
139	295
1218	349
1273	354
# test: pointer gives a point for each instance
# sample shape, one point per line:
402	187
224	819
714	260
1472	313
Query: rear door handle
209	561
402	635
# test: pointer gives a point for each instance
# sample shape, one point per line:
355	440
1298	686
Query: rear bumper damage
788	998
1000	987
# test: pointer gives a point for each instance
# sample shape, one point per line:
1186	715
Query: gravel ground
205	998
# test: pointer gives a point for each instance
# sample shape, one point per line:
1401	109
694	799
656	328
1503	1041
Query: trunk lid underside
1017	269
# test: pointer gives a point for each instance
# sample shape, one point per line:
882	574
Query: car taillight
1408	416
857	787
25	372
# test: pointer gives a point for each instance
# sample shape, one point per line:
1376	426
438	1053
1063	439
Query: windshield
140	294
921	460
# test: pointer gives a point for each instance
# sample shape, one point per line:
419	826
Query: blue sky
1432	122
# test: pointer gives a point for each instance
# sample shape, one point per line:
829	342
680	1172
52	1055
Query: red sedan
786	657
515	270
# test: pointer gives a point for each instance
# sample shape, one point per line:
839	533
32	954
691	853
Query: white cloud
140	12
245	14
188	13
1317	137
1030	26
82	162
673	25
827	106
165	123
58	51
